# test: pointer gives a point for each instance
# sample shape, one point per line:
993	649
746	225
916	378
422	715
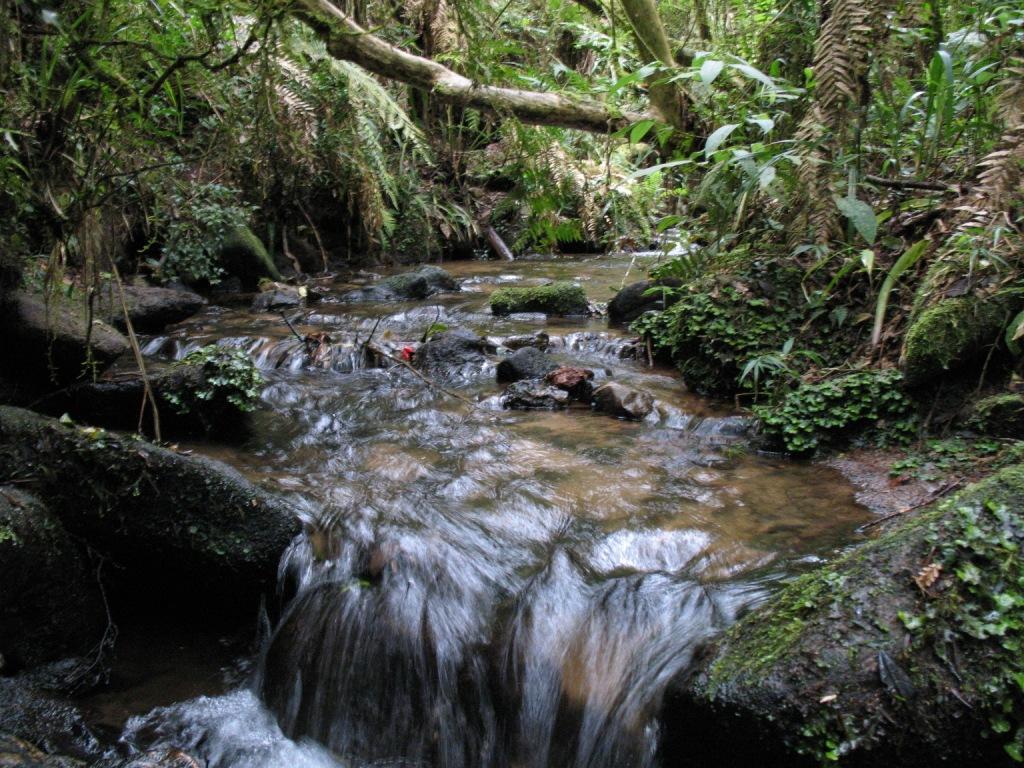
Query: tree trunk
348	41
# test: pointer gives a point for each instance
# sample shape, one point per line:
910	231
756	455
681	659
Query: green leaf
754	74
710	70
715	139
640	130
766	177
1014	333
903	263
860	215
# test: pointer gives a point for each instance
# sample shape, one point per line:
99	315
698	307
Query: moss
998	415
552	299
949	334
245	254
812	673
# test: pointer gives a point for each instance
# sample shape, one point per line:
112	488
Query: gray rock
446	353
622	401
424	282
525	363
534	395
278	297
150	308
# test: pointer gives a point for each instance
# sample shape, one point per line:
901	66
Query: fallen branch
952	486
429	382
498	245
931	186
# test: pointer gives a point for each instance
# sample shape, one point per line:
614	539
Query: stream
479	586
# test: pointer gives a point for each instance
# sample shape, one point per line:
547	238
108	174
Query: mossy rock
244	255
840	665
948	335
178	525
998	415
551	299
50	603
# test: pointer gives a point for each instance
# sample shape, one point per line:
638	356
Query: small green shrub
196	226
815	413
230	379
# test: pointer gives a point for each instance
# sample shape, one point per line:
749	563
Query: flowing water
480	587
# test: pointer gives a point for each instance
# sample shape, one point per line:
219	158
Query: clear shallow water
482	587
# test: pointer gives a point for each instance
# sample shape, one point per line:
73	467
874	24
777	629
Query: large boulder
551	299
150	308
49	344
177	524
451	353
575	381
633	300
524	363
623	401
949	335
424	282
906	651
50	602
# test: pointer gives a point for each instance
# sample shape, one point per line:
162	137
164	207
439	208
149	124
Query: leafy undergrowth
230	380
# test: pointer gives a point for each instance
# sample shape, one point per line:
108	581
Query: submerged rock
525	363
626	402
150	308
534	395
898	653
18	753
539	340
178	524
551	299
51	344
445	353
50	602
424	282
633	300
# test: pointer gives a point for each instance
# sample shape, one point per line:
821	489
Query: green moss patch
551	299
949	334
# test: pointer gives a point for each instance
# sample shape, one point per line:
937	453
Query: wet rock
868	655
52	345
48	722
539	340
575	381
551	299
998	415
114	401
18	753
534	395
279	296
626	402
160	758
243	255
50	603
150	308
178	525
950	335
525	363
445	353
633	300
424	282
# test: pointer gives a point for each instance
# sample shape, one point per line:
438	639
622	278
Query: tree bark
348	41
